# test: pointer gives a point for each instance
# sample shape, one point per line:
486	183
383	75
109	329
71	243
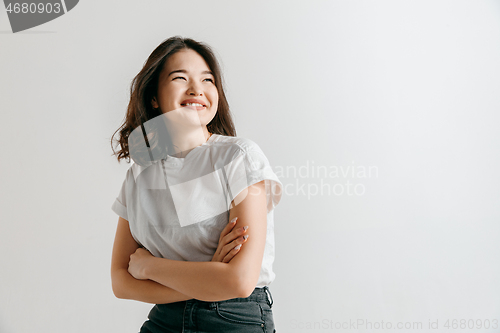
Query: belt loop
268	293
212	305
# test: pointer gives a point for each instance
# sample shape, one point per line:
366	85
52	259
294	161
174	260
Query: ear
154	103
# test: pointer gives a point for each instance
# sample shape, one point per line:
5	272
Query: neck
186	140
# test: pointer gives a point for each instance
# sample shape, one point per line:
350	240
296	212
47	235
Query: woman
175	246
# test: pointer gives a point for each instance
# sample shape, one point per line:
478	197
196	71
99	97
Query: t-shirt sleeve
250	167
120	204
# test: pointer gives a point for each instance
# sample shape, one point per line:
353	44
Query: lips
193	104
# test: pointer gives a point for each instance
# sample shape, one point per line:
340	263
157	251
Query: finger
232	253
233	245
228	227
234	234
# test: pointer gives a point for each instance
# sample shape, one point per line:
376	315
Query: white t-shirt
177	207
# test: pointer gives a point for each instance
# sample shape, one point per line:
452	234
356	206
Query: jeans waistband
258	294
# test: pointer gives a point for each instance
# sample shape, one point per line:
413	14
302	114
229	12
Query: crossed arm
165	281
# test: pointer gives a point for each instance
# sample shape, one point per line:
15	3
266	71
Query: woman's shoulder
244	144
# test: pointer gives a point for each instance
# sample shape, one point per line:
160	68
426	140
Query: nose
195	89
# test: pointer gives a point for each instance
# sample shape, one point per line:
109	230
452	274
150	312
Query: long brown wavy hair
145	86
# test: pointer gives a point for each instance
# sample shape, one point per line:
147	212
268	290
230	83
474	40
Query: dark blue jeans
245	315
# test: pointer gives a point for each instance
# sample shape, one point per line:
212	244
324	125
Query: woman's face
186	81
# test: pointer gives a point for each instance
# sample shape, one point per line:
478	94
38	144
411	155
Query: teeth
195	104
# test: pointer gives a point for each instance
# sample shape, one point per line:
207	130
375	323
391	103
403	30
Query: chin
206	119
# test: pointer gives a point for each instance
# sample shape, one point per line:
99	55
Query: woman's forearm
147	291
207	281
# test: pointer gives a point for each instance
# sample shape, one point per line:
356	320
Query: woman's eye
181	77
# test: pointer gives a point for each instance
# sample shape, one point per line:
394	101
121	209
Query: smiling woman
195	233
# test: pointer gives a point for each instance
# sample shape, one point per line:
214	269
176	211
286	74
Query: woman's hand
230	242
139	260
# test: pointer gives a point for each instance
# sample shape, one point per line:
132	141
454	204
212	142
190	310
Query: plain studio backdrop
381	118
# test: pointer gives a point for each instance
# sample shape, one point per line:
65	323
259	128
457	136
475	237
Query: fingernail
245	237
245	227
234	220
237	247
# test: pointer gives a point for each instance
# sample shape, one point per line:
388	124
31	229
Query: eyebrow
184	71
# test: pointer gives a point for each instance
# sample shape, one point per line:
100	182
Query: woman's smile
195	104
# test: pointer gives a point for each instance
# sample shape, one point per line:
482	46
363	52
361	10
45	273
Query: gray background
409	88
